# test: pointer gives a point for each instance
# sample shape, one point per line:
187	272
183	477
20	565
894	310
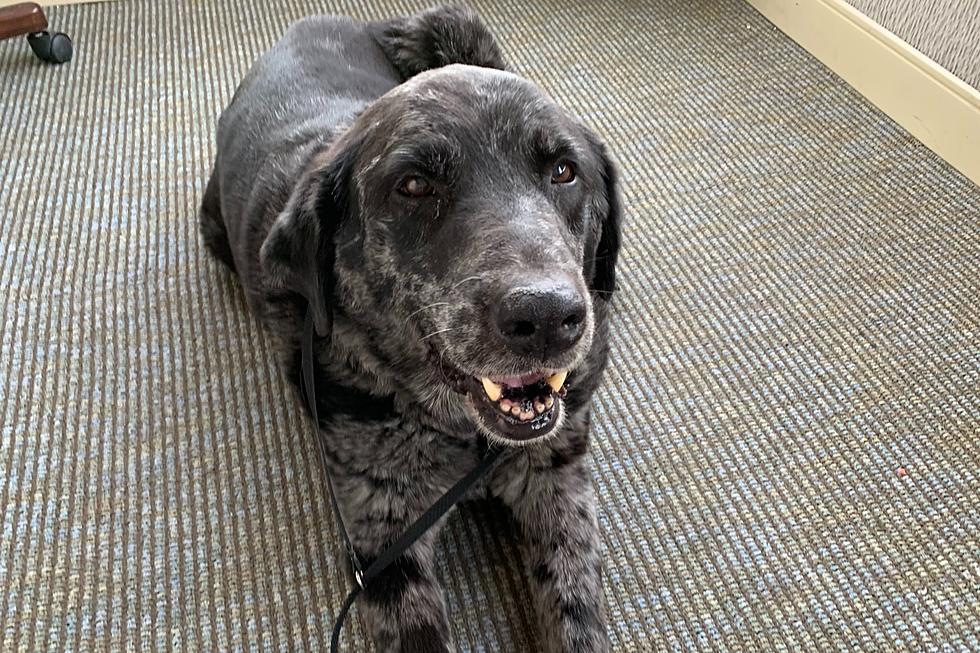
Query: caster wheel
51	47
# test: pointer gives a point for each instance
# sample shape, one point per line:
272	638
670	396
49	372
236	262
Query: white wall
946	31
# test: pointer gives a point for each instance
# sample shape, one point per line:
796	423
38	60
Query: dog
454	233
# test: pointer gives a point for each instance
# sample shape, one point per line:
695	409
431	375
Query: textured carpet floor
799	319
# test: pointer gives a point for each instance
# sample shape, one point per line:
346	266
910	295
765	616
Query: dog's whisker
462	281
601	292
425	308
442	366
435	333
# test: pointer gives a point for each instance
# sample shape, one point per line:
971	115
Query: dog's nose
542	318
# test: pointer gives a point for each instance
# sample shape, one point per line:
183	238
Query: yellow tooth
549	402
557	380
492	389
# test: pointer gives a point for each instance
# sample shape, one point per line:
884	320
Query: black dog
455	234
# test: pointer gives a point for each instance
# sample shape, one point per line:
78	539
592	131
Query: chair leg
22	18
28	18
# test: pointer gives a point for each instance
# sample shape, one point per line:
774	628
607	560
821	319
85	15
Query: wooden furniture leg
28	18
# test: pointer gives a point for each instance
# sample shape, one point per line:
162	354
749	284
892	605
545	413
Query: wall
946	31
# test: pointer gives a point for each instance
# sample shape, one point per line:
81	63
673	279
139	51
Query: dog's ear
608	207
299	252
438	37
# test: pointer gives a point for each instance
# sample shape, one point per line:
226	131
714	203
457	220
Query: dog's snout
543	318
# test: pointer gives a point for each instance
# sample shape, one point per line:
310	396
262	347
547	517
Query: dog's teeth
549	402
492	389
557	380
526	415
505	405
515	410
538	407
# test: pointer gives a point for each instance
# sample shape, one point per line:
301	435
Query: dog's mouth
520	408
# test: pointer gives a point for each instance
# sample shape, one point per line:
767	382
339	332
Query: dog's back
299	95
294	99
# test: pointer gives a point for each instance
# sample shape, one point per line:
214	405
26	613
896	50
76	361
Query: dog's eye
563	173
415	186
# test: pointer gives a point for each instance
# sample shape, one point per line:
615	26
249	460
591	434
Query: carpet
787	444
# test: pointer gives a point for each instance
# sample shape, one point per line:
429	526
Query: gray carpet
787	449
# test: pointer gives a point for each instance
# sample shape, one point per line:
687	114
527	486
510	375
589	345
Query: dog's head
470	225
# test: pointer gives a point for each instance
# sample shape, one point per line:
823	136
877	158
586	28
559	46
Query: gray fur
301	206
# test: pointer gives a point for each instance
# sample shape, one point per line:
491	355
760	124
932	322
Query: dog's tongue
519	381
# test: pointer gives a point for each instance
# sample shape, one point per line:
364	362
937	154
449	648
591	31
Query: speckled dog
455	234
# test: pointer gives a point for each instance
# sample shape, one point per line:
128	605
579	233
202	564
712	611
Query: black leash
414	532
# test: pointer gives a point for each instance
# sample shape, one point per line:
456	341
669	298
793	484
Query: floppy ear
438	37
299	252
610	212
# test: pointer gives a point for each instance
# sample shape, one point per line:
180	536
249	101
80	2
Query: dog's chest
402	450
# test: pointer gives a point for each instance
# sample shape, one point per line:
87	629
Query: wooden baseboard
934	105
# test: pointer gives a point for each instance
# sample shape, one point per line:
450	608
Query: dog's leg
550	495
403	609
212	224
